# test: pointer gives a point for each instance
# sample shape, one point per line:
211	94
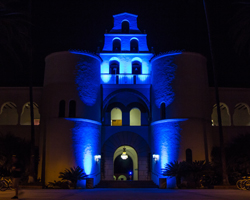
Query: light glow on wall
125	68
165	140
163	74
88	79
86	144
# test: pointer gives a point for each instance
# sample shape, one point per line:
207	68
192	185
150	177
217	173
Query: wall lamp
97	158
156	157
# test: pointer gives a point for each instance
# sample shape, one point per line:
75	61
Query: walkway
126	194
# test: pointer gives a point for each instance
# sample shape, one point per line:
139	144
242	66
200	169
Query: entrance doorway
125	167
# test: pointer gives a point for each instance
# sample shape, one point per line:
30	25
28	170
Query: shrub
74	175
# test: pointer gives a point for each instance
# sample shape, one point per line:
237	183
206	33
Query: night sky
60	25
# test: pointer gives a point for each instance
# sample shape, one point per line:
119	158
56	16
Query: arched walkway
122	139
241	116
225	115
130	151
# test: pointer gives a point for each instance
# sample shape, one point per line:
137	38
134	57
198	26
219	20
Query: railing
125	78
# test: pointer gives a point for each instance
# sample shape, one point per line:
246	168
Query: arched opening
116	117
135	117
140	154
72	108
189	157
25	116
225	115
125	27
136	67
241	116
116	46
114	67
127	167
163	110
61	109
134	46
8	114
123	168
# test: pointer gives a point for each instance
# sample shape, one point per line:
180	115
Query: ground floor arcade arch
138	150
130	151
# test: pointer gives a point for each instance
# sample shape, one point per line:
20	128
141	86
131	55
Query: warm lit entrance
125	162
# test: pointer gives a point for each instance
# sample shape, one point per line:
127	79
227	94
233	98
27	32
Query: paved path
126	194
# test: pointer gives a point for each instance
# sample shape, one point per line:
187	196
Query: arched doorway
127	166
136	147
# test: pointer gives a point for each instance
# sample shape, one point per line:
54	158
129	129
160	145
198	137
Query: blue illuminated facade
128	80
93	105
124	95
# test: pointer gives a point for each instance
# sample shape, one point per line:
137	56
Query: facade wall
77	80
179	80
20	96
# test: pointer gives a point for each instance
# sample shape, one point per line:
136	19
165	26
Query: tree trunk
222	148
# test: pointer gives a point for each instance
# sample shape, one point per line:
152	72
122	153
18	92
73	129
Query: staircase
126	184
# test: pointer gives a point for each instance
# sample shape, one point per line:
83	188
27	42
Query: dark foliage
237	157
12	145
176	169
239	30
74	175
193	173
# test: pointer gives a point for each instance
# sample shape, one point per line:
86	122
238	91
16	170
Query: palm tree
217	98
74	175
198	169
239	30
16	44
14	35
176	169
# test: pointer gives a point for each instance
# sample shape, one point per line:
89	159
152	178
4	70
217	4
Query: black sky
60	25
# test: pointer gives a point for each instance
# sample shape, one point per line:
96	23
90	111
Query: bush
194	173
74	175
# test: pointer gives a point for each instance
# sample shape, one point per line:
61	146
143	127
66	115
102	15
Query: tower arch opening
125	26
134	46
114	66
117	45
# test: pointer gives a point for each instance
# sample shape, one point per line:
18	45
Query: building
124	100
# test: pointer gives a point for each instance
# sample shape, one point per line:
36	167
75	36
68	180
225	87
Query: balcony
125	78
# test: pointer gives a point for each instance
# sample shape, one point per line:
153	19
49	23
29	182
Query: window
116	46
134	46
135	117
225	116
241	116
114	67
189	158
72	108
136	67
62	108
163	110
116	117
125	27
25	116
8	114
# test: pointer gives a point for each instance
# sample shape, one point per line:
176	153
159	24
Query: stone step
126	184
